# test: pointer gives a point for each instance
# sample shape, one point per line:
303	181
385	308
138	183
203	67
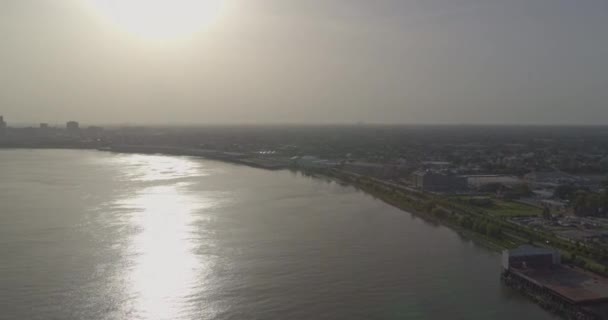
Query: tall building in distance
73	128
44	129
2	125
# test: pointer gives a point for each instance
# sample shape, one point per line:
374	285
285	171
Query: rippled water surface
93	235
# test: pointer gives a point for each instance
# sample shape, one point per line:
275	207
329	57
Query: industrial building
569	291
480	181
427	180
526	257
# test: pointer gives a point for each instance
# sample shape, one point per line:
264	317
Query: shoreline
479	239
237	159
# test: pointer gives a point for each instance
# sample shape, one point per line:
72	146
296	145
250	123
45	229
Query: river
95	235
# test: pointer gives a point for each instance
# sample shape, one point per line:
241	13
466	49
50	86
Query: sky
313	61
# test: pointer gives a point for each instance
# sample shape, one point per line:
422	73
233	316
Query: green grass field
501	208
512	209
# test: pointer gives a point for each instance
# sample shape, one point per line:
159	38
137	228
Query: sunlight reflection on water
164	269
159	168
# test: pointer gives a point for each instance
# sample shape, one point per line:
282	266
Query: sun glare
159	19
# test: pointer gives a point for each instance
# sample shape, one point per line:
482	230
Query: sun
159	19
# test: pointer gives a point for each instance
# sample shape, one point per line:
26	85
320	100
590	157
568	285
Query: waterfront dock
568	291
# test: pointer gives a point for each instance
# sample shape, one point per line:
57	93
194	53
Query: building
73	128
427	180
480	181
2	125
530	257
44	130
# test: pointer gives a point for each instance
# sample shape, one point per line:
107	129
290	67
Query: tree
491	187
493	230
564	191
522	190
466	222
587	203
604	201
439	213
429	206
593	203
580	204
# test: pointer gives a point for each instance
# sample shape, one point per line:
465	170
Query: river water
93	235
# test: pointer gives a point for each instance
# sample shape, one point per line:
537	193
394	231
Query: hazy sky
310	61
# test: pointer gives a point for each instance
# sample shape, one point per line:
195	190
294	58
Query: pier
569	292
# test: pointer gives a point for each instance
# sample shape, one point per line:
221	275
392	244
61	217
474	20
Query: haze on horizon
314	61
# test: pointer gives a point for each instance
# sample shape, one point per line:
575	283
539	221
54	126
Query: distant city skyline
304	62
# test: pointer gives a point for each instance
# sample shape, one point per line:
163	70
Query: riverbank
414	202
231	157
